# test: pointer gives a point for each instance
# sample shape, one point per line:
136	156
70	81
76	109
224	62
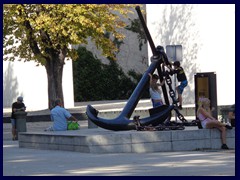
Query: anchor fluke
118	124
122	123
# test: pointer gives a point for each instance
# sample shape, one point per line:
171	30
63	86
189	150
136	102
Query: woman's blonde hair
203	101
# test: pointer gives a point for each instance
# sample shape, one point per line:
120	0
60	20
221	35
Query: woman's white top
155	94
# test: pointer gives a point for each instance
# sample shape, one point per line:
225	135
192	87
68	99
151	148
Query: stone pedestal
91	124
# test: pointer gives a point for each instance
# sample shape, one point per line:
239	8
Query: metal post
21	121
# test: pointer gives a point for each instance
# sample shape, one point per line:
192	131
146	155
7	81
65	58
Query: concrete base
105	141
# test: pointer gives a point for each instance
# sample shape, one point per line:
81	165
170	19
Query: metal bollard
21	121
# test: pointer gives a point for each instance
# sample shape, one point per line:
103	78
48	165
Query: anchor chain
172	94
160	127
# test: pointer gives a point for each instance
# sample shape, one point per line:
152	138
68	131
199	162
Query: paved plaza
34	162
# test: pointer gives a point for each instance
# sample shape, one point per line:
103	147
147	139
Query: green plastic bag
72	125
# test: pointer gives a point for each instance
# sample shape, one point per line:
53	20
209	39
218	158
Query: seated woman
209	122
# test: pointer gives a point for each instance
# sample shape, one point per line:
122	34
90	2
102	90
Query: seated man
60	116
231	116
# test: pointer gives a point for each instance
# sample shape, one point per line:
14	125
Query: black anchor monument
158	115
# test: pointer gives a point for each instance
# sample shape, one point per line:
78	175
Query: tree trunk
54	68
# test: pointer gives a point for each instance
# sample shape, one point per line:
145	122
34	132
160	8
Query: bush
94	80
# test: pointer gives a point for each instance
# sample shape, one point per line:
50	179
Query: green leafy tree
44	33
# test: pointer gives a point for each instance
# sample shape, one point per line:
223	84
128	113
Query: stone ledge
105	141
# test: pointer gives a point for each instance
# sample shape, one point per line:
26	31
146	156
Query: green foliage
96	81
41	31
44	33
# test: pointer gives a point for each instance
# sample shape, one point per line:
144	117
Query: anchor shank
138	91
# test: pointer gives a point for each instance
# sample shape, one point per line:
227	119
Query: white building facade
30	81
207	35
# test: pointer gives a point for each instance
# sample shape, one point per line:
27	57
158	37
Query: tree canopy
45	32
32	31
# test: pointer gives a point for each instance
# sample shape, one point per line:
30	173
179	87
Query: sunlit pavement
33	162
